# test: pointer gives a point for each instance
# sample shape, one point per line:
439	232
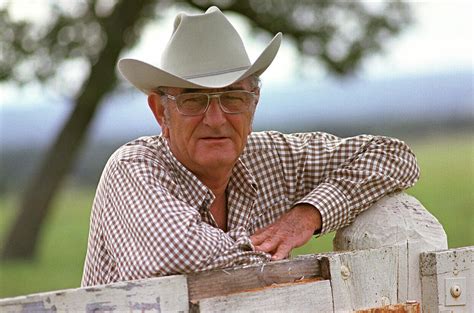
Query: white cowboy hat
204	51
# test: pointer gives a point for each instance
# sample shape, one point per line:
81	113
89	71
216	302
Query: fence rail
394	256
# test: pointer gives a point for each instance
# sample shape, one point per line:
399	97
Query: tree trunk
35	203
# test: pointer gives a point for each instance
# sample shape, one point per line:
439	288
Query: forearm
330	180
379	166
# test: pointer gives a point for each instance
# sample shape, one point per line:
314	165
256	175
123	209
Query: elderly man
209	193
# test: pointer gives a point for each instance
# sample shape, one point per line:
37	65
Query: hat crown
204	44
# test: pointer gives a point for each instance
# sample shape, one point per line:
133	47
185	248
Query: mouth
214	139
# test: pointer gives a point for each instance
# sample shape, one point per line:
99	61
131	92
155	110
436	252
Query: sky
441	39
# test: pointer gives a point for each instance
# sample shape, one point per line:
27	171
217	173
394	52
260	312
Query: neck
216	180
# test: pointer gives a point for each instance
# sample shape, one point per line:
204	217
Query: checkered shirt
151	216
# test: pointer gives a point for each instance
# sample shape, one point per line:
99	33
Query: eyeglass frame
209	96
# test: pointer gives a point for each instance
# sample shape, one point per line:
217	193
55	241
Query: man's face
211	141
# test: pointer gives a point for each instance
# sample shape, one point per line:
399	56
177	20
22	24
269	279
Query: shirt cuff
241	238
332	204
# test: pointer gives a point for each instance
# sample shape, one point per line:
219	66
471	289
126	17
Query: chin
218	162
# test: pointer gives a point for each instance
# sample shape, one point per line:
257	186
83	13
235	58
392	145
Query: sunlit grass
445	188
61	249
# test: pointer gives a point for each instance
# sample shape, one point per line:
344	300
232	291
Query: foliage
339	34
72	32
447	176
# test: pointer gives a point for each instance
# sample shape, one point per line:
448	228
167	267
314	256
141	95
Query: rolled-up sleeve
344	176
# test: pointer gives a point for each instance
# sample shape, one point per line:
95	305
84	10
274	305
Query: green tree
338	34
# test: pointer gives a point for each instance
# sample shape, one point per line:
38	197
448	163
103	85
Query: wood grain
164	294
308	296
226	281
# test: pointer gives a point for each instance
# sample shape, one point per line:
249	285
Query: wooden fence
393	258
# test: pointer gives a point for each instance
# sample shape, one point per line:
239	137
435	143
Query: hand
293	229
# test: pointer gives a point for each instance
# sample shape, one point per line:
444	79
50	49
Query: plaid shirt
151	216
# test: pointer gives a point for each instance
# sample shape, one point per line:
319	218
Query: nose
214	116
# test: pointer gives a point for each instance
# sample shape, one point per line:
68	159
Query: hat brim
147	77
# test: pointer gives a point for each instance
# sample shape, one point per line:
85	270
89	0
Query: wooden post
361	279
401	222
398	221
448	280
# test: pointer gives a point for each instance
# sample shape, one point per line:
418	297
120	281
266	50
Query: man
209	193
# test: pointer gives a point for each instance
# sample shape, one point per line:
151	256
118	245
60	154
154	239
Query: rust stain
409	307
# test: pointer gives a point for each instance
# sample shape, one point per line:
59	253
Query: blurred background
395	68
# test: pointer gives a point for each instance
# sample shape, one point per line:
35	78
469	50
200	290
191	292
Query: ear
257	93
154	102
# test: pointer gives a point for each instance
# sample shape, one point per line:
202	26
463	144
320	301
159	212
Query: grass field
445	188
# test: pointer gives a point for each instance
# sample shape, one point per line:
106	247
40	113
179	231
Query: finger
258	239
282	252
269	245
261	235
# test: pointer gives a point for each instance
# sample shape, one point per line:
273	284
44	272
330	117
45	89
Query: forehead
243	84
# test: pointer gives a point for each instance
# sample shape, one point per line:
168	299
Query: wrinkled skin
293	229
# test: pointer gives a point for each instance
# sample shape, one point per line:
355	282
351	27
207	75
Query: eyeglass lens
230	101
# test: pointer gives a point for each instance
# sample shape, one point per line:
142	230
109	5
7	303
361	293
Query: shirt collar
243	180
192	189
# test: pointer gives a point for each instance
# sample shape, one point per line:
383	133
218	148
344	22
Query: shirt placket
239	209
241	197
205	211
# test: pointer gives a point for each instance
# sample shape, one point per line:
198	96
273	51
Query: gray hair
255	81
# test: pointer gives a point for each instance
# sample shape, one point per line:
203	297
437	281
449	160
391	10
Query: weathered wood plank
225	281
314	296
362	279
164	294
398	221
448	280
168	293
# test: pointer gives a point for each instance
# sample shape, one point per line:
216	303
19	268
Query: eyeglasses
231	102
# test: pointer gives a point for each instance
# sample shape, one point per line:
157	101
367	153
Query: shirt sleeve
342	177
150	232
